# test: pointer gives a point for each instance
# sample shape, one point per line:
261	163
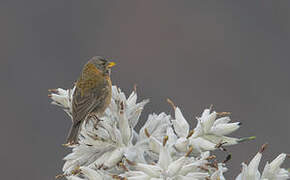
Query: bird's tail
72	137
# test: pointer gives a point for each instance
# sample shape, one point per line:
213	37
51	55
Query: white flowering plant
165	148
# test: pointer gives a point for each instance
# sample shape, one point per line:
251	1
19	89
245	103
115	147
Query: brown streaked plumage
92	94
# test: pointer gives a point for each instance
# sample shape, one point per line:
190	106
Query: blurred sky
232	54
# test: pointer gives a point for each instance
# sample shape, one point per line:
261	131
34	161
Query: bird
92	94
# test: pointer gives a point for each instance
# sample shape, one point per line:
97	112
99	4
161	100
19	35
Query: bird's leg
95	117
70	144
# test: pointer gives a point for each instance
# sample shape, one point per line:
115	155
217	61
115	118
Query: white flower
208	133
89	174
168	168
181	128
155	126
62	98
272	171
180	124
218	174
180	132
103	143
209	125
165	148
211	131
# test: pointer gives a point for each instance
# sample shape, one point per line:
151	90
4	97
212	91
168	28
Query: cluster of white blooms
165	148
272	171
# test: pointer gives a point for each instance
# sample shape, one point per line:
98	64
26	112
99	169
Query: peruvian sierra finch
92	94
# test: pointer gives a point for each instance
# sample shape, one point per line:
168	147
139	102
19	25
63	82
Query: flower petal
91	174
222	120
224	129
208	122
175	166
115	157
155	145
180	125
164	158
151	170
182	144
125	129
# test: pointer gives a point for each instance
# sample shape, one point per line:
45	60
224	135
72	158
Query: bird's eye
103	62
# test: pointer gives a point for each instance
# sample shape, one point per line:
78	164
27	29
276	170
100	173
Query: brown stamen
76	171
147	133
264	146
165	140
122	105
60	176
203	168
190	133
210	157
53	90
131	163
223	113
122	165
189	151
135	88
171	103
118	177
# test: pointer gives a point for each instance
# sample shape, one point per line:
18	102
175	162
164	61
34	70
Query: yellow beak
111	64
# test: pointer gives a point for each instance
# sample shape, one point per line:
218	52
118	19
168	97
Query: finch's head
102	64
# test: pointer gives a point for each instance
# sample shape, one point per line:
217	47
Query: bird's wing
83	104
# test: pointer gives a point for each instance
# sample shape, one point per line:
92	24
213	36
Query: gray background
234	55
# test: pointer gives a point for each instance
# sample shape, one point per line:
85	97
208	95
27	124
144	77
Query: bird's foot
68	144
